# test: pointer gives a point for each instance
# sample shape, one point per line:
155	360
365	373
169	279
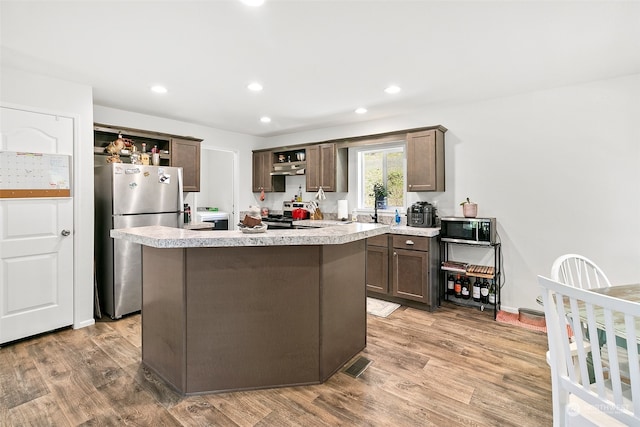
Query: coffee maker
421	214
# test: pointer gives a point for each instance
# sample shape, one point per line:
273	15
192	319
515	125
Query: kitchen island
223	310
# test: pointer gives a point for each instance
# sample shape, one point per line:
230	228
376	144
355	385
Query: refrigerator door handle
180	193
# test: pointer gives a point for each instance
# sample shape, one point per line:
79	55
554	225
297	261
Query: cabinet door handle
395	253
409	242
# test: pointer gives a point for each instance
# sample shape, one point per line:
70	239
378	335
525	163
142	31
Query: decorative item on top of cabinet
327	167
425	160
262	180
469	209
174	150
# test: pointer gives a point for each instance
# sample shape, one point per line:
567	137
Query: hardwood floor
452	367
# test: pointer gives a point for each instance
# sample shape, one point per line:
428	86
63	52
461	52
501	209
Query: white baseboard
509	309
84	323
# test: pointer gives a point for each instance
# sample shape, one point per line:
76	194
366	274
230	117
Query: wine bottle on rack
451	284
458	287
465	289
492	293
484	291
476	290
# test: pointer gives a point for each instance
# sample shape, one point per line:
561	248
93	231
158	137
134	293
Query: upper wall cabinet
185	153
425	160
178	151
327	168
325	164
263	180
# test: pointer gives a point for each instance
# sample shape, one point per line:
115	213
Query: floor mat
380	308
512	318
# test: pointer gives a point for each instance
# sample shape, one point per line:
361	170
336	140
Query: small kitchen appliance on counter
421	214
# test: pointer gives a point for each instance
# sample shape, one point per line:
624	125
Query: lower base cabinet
377	276
410	274
404	269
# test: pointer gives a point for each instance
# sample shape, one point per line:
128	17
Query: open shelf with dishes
469	284
289	168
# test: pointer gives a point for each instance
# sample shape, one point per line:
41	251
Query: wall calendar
34	175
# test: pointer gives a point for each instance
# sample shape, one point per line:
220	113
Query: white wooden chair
610	400
579	272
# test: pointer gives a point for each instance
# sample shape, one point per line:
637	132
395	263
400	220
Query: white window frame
360	179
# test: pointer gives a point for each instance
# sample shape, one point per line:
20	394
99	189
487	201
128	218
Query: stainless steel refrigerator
129	195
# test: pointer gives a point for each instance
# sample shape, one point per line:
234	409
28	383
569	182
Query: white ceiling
318	60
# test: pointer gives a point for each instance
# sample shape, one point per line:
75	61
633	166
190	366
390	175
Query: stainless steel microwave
475	231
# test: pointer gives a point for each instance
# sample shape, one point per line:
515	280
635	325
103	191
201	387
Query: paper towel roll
343	209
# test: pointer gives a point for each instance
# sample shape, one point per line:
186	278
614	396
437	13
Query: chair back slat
614	367
598	361
605	329
634	359
578	271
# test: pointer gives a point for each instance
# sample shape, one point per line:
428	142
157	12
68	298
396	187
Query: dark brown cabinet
185	153
425	160
178	151
262	180
377	276
404	269
326	168
410	268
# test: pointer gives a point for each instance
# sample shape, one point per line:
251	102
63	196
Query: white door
36	235
217	182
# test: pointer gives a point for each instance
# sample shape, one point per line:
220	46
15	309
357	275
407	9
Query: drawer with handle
381	240
411	242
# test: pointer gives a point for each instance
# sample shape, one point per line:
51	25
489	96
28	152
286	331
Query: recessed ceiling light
361	110
158	89
265	119
255	86
253	3
392	89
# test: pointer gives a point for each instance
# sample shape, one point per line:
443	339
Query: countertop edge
167	237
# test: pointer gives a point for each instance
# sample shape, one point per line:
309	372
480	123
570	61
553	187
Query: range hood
288	168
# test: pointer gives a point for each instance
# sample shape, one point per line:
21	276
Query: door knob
65	233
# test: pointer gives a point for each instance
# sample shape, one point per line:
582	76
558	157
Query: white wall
217	179
559	169
56	96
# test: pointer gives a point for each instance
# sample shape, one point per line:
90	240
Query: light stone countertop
393	229
168	237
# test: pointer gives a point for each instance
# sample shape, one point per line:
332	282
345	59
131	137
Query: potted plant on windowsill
380	194
469	209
